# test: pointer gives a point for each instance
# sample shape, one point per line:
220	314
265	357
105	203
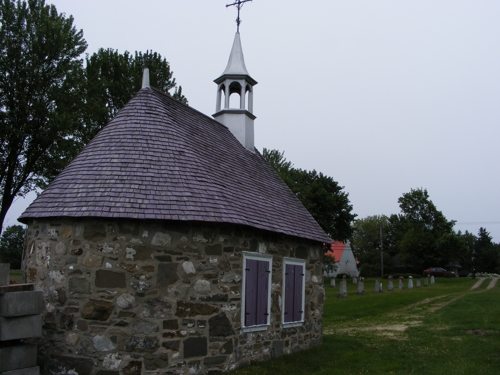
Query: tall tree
11	246
322	196
113	78
50	106
366	234
419	211
40	91
418	228
487	253
470	243
451	247
278	161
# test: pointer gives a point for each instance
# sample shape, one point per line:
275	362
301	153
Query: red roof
336	250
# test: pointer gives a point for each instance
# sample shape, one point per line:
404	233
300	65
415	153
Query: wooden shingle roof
160	159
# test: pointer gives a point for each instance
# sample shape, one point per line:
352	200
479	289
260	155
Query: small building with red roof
344	258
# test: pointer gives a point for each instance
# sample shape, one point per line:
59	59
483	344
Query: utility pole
381	254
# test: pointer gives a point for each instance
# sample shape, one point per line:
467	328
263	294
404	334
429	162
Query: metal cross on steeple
238	4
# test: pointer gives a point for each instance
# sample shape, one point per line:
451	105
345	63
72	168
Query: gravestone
377	286
361	287
342	289
4	273
401	286
432	280
418	283
425	282
332	282
390	285
410	282
354	280
20	309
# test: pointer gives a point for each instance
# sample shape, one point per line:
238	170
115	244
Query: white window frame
295	262
260	257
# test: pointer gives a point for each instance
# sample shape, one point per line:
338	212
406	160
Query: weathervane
238	4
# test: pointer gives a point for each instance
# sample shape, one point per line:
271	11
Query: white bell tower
236	115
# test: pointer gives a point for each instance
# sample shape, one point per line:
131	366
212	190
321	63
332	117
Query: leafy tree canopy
452	247
418	237
39	95
11	246
417	229
113	78
487	253
50	105
329	264
322	196
366	235
418	211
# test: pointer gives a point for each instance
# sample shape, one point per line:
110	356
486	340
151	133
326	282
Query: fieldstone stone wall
146	297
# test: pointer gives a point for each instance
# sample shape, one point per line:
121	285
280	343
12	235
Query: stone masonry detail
143	296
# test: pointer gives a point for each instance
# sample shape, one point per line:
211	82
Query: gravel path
492	283
478	282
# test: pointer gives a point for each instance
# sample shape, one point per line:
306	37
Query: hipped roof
161	159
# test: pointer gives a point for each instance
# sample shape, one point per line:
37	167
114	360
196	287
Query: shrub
406	275
341	276
369	270
11	246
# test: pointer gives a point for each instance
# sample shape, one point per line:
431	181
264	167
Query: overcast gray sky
383	96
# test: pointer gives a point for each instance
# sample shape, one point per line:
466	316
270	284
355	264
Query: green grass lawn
17	276
446	328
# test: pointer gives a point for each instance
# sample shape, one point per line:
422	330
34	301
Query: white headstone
361	287
432	280
390	285
342	289
332	282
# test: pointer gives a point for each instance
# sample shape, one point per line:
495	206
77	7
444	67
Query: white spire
236	63
145	78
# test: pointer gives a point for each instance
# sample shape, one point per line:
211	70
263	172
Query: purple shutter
251	269
297	293
262	292
289	295
256	292
294	277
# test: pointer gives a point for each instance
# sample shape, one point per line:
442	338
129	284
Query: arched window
235	95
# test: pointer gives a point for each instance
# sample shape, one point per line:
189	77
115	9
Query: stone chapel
169	245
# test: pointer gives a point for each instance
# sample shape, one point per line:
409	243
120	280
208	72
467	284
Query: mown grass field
16	276
446	328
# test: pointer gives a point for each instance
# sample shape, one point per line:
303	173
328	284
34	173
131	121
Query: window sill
263	327
292	324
